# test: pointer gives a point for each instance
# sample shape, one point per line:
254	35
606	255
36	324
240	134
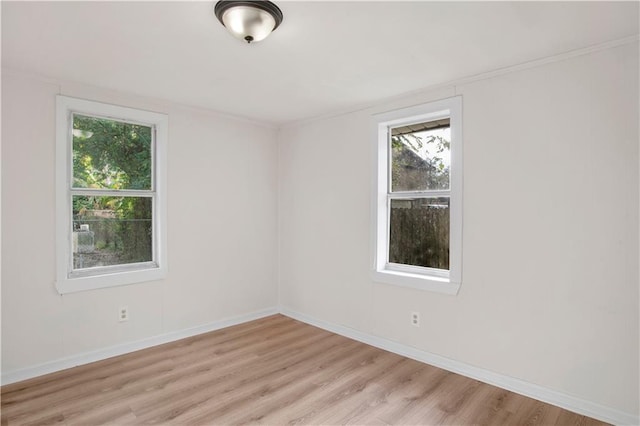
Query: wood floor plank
233	407
87	378
221	384
327	379
343	388
271	371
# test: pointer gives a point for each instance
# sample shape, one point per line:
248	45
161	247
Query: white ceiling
325	57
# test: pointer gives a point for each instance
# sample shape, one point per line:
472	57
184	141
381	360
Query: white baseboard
568	402
124	348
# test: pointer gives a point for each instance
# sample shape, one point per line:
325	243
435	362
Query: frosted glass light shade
250	21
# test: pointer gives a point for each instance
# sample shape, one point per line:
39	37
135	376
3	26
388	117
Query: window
110	198
418	197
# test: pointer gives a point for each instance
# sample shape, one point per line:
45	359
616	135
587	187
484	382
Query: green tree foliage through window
112	155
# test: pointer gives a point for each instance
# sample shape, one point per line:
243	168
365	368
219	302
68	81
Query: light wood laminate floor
271	371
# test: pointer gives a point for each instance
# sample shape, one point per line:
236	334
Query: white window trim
441	281
66	282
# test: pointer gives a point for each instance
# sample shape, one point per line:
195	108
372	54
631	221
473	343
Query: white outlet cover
123	313
415	319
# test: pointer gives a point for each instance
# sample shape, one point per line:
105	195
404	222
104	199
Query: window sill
417	281
71	285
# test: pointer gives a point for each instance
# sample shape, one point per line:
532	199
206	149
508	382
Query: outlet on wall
123	313
415	319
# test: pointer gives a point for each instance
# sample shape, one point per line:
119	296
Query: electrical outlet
123	313
415	319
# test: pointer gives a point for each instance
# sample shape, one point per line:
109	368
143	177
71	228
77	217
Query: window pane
111	231
419	232
421	156
110	154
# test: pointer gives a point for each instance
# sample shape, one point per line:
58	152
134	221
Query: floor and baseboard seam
568	402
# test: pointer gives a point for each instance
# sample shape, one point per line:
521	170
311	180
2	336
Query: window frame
424	278
69	280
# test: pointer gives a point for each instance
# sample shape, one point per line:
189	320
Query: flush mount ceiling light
250	21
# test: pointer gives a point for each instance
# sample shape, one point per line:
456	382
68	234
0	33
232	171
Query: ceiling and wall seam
337	113
477	77
160	102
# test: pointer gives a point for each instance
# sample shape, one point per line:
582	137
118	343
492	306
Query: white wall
222	238
550	268
550	241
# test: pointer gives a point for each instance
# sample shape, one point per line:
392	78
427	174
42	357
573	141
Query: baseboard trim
568	402
124	348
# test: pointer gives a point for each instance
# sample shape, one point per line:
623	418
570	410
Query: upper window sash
113	192
419	194
152	145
